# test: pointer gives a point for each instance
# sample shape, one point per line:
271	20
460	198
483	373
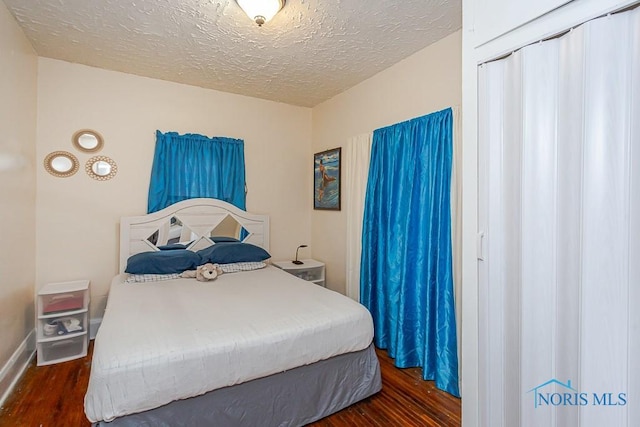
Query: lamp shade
261	11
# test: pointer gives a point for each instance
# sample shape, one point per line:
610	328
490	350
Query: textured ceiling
310	51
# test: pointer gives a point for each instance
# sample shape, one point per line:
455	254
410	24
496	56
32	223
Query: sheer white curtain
559	203
358	152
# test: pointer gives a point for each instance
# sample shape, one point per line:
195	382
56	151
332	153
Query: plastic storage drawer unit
63	321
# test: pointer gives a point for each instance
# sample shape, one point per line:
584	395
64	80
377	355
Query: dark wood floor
52	396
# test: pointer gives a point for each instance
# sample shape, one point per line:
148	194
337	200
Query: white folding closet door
559	206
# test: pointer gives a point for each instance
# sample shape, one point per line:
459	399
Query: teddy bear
204	273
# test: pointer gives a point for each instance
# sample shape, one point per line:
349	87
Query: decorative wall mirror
61	164
228	227
101	168
88	141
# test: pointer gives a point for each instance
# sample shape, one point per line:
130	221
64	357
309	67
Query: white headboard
201	216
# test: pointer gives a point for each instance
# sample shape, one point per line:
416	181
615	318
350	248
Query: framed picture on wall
326	179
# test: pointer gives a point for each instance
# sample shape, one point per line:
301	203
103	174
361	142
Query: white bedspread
170	340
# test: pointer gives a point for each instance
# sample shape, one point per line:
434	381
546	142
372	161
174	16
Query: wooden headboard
200	216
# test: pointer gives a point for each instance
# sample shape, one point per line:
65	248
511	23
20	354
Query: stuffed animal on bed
204	273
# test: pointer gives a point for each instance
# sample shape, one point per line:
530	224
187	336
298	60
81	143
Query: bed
251	348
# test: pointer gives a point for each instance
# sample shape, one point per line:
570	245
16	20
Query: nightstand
311	270
63	321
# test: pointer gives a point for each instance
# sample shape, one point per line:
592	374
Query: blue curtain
190	166
406	266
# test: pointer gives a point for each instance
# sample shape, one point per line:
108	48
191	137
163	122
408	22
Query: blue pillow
172	247
223	239
232	252
162	262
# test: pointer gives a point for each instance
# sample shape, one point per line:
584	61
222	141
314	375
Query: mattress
164	341
292	398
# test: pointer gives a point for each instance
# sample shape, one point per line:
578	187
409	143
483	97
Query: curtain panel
190	166
406	266
456	225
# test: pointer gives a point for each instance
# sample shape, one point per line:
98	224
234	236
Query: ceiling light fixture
261	11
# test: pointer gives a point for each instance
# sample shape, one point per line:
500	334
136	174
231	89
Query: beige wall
428	81
18	75
77	217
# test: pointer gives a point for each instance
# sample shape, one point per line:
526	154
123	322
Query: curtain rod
564	32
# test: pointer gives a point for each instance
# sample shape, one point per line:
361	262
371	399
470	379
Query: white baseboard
16	365
94	325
